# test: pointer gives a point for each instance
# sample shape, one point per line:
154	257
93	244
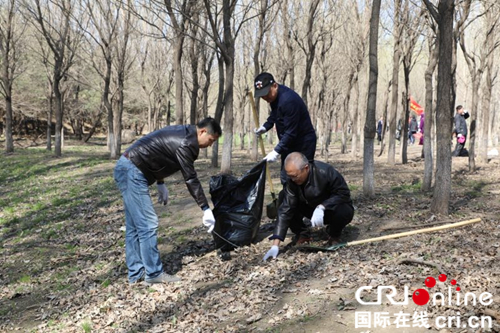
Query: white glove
273	252
209	220
459	135
162	194
260	130
317	218
272	156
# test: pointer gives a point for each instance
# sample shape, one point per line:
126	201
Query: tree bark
445	105
396	59
429	115
369	129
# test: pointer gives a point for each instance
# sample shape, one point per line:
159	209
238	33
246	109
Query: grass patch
353	187
408	188
87	327
25	279
475	188
105	283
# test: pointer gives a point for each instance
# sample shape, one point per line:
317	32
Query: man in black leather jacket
149	160
314	190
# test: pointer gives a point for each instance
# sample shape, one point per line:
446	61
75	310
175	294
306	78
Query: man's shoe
163	278
304	240
333	241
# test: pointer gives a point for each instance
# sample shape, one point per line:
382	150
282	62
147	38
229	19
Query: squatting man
315	190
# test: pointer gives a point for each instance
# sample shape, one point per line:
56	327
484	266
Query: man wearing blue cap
289	114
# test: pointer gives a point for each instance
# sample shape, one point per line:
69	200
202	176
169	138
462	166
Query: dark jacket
324	186
413	125
460	125
293	123
166	151
380	124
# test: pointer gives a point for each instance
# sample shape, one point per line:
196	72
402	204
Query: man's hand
209	220
318	215
272	156
260	130
459	135
273	252
162	194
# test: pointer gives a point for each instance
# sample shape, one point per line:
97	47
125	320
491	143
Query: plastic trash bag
237	207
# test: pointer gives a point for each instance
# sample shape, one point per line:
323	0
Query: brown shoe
304	240
333	241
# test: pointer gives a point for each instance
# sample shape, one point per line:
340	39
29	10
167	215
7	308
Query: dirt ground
299	291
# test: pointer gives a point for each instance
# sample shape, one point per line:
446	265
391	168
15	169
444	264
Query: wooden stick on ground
416	226
409	233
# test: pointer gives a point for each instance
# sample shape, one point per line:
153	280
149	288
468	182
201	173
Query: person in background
460	131
151	159
380	126
421	130
413	128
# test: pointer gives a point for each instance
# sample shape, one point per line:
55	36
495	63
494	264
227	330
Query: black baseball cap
262	84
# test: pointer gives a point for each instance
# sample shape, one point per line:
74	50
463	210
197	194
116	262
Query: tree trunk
59	113
179	111
355	116
194	76
371	104
406	114
227	150
429	117
444	109
7	85
391	151
9	140
311	49
486	106
218	110
50	99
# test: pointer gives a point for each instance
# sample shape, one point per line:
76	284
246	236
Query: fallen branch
422	262
415	226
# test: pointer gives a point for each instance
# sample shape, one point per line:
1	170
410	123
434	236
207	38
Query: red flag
415	107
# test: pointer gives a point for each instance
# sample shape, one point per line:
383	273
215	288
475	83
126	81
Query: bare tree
11	34
432	43
369	129
179	18
122	63
225	43
53	19
488	118
308	45
477	64
412	29
443	15
396	61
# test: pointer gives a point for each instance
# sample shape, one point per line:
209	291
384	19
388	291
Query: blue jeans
141	248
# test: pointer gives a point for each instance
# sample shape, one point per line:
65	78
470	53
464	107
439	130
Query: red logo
421	296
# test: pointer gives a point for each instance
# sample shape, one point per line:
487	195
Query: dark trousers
459	149
335	220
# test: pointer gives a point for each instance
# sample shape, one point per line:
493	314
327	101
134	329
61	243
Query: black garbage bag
237	207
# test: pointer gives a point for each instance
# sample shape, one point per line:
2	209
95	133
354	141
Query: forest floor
62	257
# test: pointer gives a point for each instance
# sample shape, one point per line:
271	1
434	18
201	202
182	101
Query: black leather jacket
166	151
324	186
